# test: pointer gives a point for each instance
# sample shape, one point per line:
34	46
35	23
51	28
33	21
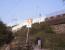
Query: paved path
37	48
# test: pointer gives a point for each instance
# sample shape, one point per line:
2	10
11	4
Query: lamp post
29	24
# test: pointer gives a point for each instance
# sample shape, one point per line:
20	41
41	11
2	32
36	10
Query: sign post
29	24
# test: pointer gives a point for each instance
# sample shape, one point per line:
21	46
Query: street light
29	24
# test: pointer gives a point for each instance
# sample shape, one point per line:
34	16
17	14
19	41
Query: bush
6	35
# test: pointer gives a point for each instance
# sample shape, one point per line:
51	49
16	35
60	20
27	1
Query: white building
37	20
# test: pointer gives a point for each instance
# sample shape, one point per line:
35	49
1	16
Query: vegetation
6	35
55	20
49	38
41	30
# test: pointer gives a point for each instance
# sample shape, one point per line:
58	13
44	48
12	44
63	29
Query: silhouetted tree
6	35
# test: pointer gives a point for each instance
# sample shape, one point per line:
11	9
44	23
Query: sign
29	23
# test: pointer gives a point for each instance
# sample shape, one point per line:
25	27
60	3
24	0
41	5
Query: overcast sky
16	11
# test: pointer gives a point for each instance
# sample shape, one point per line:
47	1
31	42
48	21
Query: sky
16	11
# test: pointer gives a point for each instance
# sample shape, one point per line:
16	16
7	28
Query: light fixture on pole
29	24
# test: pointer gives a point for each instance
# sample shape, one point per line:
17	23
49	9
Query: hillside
51	33
55	20
50	39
